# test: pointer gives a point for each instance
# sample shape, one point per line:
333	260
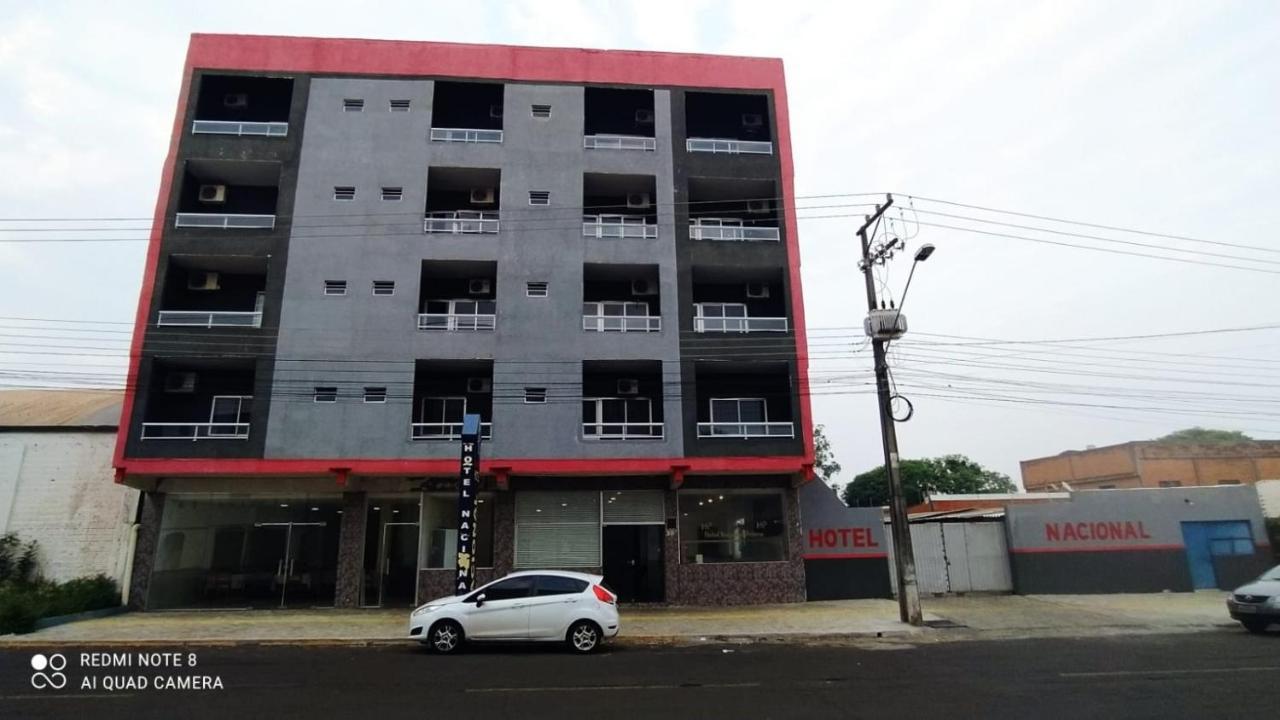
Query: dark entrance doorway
633	562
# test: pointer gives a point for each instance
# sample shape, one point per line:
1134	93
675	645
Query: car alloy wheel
446	637
584	636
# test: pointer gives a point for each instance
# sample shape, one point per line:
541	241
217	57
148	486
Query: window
1106	487
535	289
736	416
458	315
539	197
535	395
375	394
618	316
723	526
542	112
335	287
618	418
1228	482
557	585
392	194
325	394
720	317
557	529
353	105
511	589
399	106
440	418
229	415
384	287
440	530
1170	483
344	192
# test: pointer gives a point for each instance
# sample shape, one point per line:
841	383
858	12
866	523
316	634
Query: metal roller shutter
634	506
557	529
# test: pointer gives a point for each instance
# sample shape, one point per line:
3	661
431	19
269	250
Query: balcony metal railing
465	135
456	321
618	323
730	229
739	324
209	319
618	226
619	142
225	221
622	431
461	222
732	147
195	431
447	431
237	127
746	429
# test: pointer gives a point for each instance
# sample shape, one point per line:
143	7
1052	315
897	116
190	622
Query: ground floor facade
391	542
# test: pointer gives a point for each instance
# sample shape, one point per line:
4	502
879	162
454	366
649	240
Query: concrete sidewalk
969	617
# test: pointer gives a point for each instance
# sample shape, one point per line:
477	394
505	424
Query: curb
56	620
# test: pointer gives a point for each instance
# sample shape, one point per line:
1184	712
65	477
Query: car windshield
1272	574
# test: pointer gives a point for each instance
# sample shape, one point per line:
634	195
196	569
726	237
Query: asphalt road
1225	673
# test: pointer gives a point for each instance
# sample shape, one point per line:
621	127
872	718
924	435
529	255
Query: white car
536	605
1257	605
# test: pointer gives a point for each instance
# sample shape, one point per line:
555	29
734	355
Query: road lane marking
581	688
1188	671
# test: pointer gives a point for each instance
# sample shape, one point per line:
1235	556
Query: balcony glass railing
195	431
739	324
615	323
224	221
730	229
732	147
461	222
237	127
447	431
618	226
465	135
746	429
209	319
619	142
456	321
622	431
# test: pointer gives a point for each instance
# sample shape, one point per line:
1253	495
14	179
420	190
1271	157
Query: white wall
57	488
1269	495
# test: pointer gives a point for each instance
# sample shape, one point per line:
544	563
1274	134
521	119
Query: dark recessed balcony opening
462	201
213	291
744	400
620	298
199	400
622	400
727	123
446	390
228	195
739	300
466	112
618	119
458	296
733	210
243	105
619	206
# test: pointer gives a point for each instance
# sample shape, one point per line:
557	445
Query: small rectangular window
335	287
539	197
353	105
399	106
542	112
384	287
1170	483
375	394
344	192
535	395
535	289
1228	482
392	194
1106	487
325	394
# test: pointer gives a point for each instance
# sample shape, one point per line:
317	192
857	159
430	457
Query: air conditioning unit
752	120
180	382
479	385
638	200
236	101
759	206
757	290
644	117
213	193
644	287
885	324
495	112
479	286
482	196
203	281
628	386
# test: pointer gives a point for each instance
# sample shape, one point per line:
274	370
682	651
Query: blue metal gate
1207	540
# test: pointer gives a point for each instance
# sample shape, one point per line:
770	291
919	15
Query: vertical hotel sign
468	483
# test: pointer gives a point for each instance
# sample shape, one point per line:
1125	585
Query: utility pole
904	557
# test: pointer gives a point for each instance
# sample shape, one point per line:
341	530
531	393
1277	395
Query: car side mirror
480	600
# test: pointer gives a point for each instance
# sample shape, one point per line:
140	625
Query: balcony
620	298
744	400
199	401
731	229
198	431
739	300
228	195
618	119
461	315
619	317
733	318
458	296
729	123
461	222
210	319
622	400
462	201
618	226
447	431
733	210
465	135
213	291
466	112
444	392
619	206
241	105
729	147
746	429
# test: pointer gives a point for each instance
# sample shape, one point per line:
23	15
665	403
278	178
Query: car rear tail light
604	595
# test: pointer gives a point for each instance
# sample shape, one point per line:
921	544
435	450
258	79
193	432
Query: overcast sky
1161	116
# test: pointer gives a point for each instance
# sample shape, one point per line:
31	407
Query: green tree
1205	436
824	459
952	474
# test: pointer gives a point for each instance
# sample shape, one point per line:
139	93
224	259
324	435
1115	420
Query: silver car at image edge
1257	604
530	605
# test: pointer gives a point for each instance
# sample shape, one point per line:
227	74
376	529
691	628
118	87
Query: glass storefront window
440	531
722	526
